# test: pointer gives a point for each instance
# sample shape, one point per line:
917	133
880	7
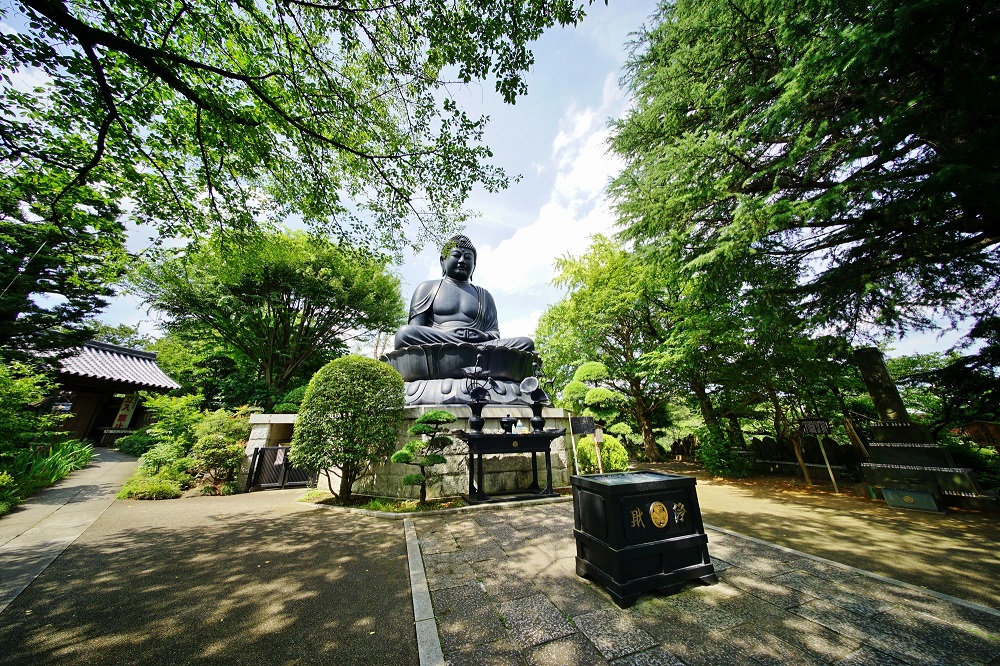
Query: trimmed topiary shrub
614	457
350	418
144	487
426	451
289	403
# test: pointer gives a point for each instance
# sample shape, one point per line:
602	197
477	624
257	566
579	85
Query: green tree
614	310
350	418
220	113
59	255
614	457
856	141
275	303
21	388
426	451
123	335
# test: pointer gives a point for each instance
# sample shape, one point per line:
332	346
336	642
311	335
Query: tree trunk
346	481
736	430
705	403
779	430
648	439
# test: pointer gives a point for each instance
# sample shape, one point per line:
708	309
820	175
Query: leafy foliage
426	451
123	335
289	403
39	467
218	458
143	487
34	453
61	251
21	387
177	417
854	142
279	304
350	417
614	312
219	450
219	113
719	456
185	443
614	457
136	443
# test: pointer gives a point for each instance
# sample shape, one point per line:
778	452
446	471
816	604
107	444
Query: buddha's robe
480	327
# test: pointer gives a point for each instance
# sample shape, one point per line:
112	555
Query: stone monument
451	343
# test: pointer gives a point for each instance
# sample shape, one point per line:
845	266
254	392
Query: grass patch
387	504
141	487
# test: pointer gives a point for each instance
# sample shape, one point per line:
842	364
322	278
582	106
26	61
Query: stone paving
505	591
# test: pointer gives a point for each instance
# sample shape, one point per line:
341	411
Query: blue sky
554	138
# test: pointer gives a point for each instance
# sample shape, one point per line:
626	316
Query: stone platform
502	473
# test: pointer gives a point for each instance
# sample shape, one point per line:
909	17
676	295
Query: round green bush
350	417
614	457
143	487
218	457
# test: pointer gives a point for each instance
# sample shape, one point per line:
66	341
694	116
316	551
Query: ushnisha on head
458	258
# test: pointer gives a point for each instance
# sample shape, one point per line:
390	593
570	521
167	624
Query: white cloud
576	208
521	326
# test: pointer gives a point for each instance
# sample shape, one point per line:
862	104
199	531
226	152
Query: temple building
99	385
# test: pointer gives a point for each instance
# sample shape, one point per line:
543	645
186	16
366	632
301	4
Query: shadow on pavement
954	553
219	580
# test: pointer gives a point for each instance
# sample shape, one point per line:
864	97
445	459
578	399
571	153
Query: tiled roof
100	360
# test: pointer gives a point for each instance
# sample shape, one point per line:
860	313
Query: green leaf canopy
222	112
277	301
858	142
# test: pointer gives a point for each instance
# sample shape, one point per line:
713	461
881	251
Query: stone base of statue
442	373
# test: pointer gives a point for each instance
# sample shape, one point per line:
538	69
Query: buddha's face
458	264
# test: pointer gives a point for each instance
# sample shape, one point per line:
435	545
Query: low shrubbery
614	457
144	487
719	456
186	447
34	453
136	443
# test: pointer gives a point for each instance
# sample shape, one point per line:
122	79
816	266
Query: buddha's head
458	258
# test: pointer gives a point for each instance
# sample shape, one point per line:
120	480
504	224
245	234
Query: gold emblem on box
658	514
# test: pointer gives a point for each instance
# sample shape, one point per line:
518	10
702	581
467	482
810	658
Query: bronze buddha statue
452	339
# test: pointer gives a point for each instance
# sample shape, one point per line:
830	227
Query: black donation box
639	531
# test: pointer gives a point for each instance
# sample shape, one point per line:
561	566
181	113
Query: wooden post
598	440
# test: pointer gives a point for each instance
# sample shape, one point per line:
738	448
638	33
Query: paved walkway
505	591
261	578
38	531
255	578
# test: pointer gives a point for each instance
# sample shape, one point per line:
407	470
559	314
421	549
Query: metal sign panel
814	426
582	425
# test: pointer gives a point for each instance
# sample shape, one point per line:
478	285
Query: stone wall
502	473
